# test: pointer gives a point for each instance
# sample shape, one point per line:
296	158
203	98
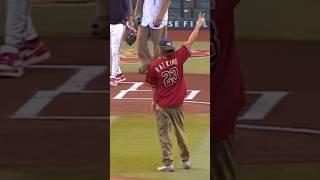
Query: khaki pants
143	51
224	166
166	119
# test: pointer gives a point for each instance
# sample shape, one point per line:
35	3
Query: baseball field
279	129
53	120
134	144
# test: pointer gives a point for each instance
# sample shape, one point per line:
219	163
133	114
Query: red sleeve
183	53
151	78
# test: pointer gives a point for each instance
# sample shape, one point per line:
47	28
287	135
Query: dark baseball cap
166	44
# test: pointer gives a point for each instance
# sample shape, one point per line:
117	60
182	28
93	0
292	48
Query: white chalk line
198	102
280	129
129	82
242	126
75	83
136	85
192	102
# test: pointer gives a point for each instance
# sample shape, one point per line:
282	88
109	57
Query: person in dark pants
227	91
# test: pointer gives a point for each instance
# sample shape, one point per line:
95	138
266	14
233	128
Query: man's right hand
200	20
193	36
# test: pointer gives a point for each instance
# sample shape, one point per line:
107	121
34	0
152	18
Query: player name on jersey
166	64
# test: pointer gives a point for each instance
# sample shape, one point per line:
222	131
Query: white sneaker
33	52
164	168
120	78
186	164
113	82
10	65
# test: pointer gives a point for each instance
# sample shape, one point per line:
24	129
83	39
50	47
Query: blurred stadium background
279	43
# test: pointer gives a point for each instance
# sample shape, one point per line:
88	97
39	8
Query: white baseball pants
18	27
116	35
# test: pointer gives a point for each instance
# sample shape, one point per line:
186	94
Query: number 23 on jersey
170	76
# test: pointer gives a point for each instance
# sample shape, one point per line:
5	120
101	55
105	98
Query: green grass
135	149
53	174
281	172
199	65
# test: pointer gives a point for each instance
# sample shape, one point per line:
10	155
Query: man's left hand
153	106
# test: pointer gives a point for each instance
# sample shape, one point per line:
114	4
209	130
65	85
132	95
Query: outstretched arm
193	36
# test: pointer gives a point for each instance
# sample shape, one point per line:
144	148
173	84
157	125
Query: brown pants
166	118
143	51
224	166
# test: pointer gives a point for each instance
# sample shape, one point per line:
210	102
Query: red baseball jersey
227	89
166	75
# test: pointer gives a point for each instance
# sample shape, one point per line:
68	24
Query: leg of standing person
116	34
120	77
143	50
16	23
156	35
33	50
165	31
177	122
15	26
22	45
164	132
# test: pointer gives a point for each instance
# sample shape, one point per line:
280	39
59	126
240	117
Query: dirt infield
286	71
134	92
76	136
64	123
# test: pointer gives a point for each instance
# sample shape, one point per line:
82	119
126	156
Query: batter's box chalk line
77	83
297	130
135	88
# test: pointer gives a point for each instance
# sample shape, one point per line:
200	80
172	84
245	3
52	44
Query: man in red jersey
165	76
227	91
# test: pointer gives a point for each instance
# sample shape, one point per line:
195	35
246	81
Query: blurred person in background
22	46
121	17
227	90
153	19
